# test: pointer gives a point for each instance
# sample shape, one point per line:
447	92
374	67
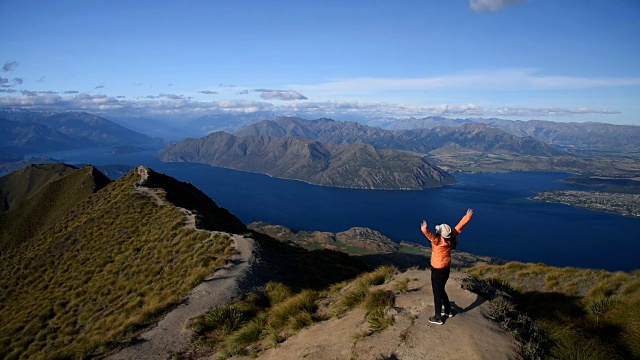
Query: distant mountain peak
357	165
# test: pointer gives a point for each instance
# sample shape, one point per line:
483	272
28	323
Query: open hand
470	212
423	227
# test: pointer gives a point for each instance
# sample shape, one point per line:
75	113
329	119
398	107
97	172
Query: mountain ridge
479	137
354	166
570	134
466	146
27	131
23	137
24	183
38	187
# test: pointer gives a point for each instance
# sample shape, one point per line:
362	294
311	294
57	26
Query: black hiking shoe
449	315
436	320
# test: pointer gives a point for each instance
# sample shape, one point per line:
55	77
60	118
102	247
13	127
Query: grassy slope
45	207
24	183
111	265
594	313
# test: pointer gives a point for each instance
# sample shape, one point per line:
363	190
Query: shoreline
627	205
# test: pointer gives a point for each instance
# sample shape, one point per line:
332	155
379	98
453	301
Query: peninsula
621	203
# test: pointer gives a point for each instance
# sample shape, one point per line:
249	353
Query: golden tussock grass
110	267
586	313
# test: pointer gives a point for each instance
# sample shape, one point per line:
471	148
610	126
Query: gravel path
170	336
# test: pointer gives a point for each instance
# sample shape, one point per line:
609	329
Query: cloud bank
172	104
492	5
507	79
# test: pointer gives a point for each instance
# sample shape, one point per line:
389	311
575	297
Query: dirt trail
467	335
170	335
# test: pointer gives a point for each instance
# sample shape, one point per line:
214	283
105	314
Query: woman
441	244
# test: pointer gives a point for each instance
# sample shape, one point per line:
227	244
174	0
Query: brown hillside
24	183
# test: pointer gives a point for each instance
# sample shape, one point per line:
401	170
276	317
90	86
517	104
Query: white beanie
443	230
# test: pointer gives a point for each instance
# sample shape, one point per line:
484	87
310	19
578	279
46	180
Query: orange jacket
441	247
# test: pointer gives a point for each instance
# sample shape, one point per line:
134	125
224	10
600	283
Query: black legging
439	279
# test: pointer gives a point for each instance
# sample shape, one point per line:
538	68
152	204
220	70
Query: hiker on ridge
441	244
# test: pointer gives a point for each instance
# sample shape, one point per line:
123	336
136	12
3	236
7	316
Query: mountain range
477	137
478	147
587	135
25	131
447	145
350	154
353	165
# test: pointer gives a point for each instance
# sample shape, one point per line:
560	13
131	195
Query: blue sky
514	59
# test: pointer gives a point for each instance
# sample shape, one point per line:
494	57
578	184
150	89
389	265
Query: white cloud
506	79
285	95
169	104
492	5
336	108
172	96
163	104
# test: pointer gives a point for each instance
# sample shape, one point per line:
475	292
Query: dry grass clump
114	264
277	292
376	303
265	319
401	285
257	321
586	314
356	291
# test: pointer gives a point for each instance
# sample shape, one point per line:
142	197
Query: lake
506	224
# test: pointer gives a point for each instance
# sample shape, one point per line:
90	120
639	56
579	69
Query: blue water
505	223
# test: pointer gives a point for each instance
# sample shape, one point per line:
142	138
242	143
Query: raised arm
431	236
464	221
